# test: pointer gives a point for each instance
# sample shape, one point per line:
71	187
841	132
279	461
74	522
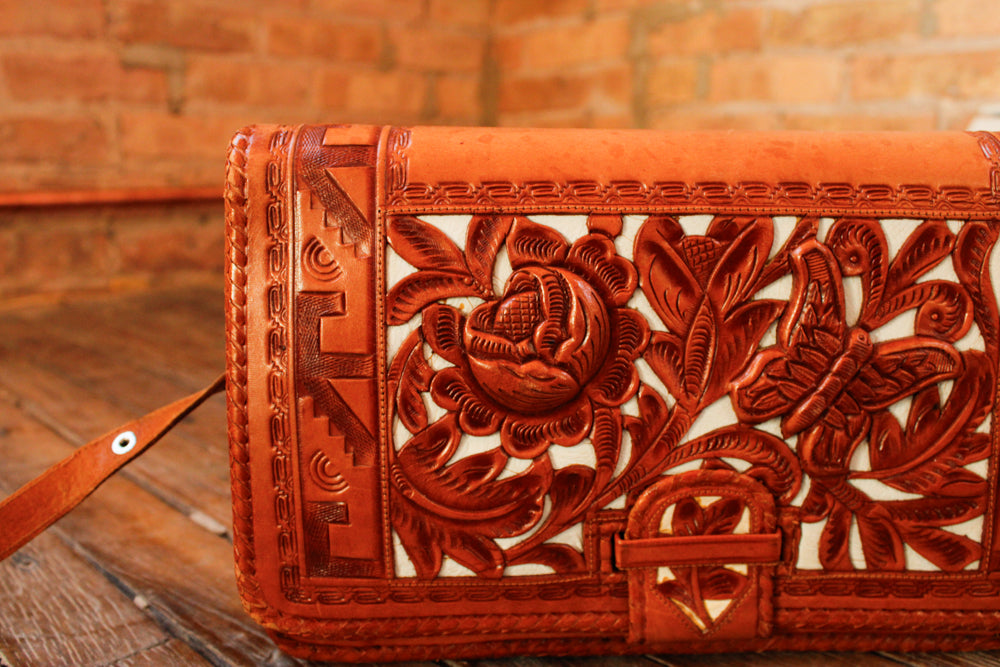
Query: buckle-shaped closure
700	550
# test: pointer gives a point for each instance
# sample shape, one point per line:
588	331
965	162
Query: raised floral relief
544	355
538	360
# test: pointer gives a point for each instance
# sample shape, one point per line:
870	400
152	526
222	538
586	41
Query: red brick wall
47	253
764	64
117	93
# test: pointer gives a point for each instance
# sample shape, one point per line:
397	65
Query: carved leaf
562	558
415	377
699	352
431	448
973	447
719	583
805	229
934	478
473	472
530	243
688	519
667	281
425	246
941	441
461	508
971	258
834	554
739	338
924	409
483	241
653	414
934	511
607	439
571	487
887	448
817	504
442	326
476	552
421	542
881	543
460	492
948	551
665	356
417	290
680	589
861	249
924	249
727	228
722	516
756	447
735	276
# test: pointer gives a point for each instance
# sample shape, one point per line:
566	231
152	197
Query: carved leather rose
535	361
535	349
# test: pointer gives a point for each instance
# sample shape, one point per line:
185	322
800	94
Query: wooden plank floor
141	573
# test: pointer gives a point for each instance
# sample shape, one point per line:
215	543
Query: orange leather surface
505	154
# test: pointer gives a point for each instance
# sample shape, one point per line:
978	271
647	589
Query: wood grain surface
142	573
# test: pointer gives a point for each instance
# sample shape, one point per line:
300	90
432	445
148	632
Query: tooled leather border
237	253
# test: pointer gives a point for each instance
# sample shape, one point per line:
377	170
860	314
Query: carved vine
549	361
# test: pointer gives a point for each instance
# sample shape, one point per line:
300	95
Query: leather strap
44	500
697	550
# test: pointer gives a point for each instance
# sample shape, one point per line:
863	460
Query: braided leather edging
237	242
897	621
505	647
417	628
485	649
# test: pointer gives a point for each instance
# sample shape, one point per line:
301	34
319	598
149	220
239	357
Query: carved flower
535	361
534	349
702	287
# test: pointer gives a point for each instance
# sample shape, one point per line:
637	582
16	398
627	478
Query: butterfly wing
811	334
902	367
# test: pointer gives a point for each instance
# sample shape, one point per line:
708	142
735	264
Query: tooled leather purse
500	392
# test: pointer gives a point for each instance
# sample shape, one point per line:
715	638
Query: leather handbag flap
498	392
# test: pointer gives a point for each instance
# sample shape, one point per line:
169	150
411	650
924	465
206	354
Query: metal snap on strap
124	442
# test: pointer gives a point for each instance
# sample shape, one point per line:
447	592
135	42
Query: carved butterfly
825	378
